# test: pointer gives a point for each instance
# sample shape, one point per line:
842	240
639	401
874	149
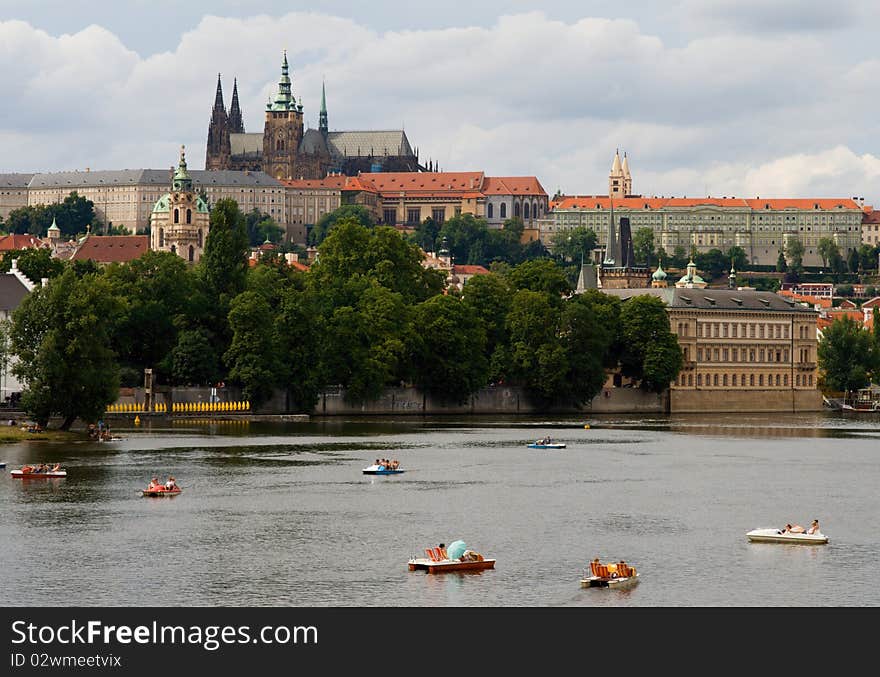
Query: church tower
627	179
616	179
236	124
323	127
180	220
219	150
283	130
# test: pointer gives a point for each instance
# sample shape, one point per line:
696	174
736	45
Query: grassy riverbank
15	434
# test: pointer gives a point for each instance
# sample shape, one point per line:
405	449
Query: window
189	216
438	215
503	211
526	210
176	216
201	240
389	216
516	209
161	237
751	379
192	253
489	210
413	215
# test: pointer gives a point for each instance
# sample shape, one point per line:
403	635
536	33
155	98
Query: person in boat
56	467
27	468
394	464
797	529
154	484
786	529
814	528
170	484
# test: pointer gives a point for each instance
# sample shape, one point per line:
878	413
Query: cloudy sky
707	97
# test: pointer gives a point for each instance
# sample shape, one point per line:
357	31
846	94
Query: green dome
163	205
659	274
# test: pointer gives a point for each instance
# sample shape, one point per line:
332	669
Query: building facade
180	220
126	197
13	192
760	226
744	350
287	149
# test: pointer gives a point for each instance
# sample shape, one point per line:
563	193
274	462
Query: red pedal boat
439	561
162	491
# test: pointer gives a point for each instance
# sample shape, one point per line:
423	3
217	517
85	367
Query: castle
287	150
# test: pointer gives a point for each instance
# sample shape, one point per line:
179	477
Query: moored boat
774	535
611	575
457	557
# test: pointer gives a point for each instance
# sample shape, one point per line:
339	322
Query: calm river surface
281	514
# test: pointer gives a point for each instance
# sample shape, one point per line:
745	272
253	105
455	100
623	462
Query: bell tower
283	130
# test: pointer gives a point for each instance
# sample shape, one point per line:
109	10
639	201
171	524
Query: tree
852	262
650	351
252	355
826	249
848	355
425	234
35	264
713	262
574	244
325	224
449	344
679	257
586	342
490	297
794	254
538	361
62	337
300	336
541	275
466	235
194	359
781	265
262	228
643	246
737	258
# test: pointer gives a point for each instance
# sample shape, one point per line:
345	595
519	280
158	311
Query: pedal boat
27	475
549	445
438	562
609	576
773	535
162	491
381	470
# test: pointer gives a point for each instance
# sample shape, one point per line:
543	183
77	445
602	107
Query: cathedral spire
322	116
236	124
182	181
284	99
218	97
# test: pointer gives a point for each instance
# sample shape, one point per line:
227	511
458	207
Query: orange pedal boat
437	561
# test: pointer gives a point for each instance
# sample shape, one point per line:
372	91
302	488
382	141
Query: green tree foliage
490	296
262	228
781	265
574	245
348	213
194	360
848	355
606	310
679	257
448	348
737	258
587	344
542	275
158	289
252	357
380	253
643	246
72	216
650	351
827	249
713	263
365	343
794	254
466	235
35	264
538	360
425	235
300	334
852	263
62	336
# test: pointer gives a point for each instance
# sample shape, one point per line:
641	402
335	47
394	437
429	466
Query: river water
281	514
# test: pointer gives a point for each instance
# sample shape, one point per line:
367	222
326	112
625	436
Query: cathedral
287	150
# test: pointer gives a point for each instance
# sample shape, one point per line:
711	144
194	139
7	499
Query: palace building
287	149
760	226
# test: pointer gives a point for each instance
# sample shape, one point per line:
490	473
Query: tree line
366	315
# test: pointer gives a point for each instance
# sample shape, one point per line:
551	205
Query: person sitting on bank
814	528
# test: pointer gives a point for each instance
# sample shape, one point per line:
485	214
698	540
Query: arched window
161	237
200	238
516	209
489	210
189	216
176	216
192	253
526	210
503	211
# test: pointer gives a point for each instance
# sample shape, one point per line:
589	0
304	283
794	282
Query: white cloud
723	113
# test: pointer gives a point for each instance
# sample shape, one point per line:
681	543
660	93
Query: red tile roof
872	303
469	270
434	182
635	202
513	185
804	203
14	241
111	248
871	216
